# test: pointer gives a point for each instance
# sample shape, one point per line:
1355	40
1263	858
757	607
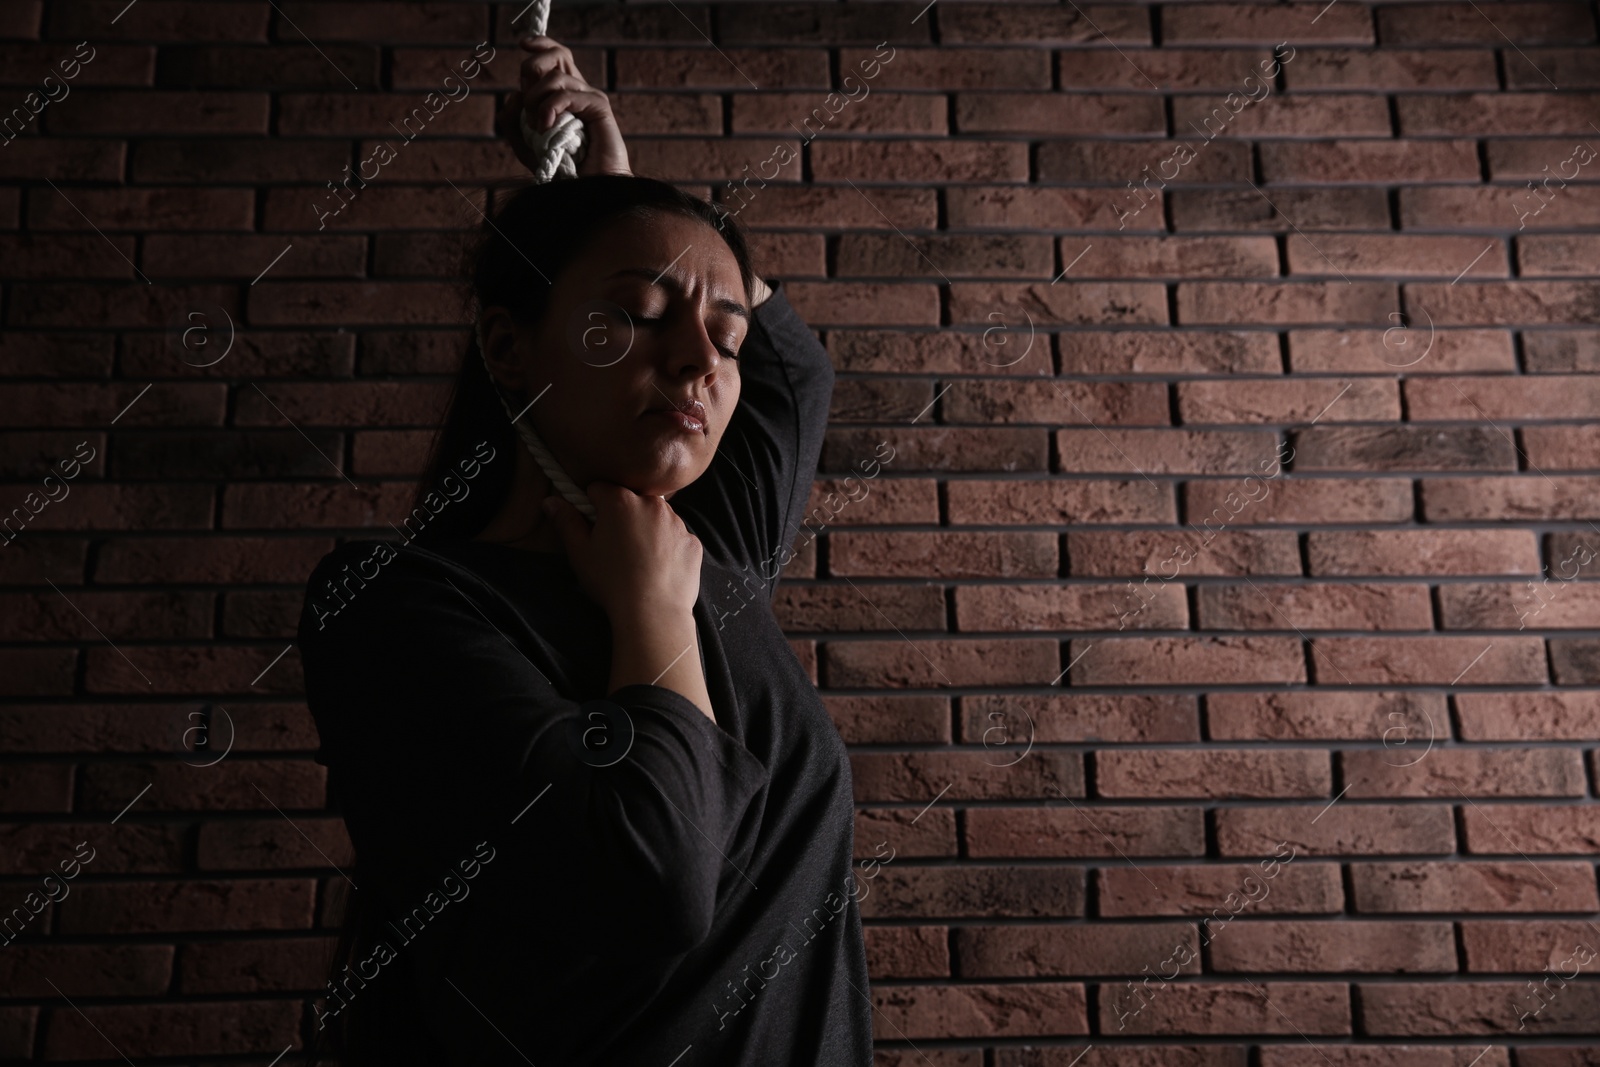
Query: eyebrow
660	277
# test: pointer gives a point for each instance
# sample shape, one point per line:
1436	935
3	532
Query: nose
691	350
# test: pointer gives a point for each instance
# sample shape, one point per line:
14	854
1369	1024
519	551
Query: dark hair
515	261
540	230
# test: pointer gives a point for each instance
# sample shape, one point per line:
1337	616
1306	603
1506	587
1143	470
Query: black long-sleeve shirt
570	884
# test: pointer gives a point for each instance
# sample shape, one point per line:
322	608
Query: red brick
771	68
1333	947
1521	829
1399	448
932	834
158	111
237	160
1556	158
52	255
816	114
144	848
865	303
1165	451
944	555
1294	1008
1496	399
172	256
1172	257
1152	554
1213	772
159	907
1405	346
1121	162
974	891
1496	208
280	965
1405	552
1393	255
1080	717
1365	1055
1065	303
1477	114
1057	502
352	303
1338	829
142	209
191	404
1334	606
86	160
954	161
1529	716
888	718
1466	23
888	351
1085	831
98	727
1458	1008
1046	25
286	65
897	255
160	20
1429	660
1535	68
113	306
1190	354
1146	661
1057	114
273	844
213	1028
1374	162
1036	607
1252	23
1567	254
1069	403
832	208
1324	715
1297	887
934	448
1288	116
1024	207
87	970
1012	1009
882	777
1561	351
701	113
385	116
1554	604
1279	209
337	21
1390	68
1302	500
1514	886
1070	951
51	616
1293	400
1285	303
130	65
1528	946
1526	496
908	951
1454	772
920	664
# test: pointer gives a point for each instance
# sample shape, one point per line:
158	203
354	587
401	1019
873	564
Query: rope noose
557	151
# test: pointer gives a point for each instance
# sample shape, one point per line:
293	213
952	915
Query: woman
600	814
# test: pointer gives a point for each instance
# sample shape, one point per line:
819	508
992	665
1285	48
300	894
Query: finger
586	106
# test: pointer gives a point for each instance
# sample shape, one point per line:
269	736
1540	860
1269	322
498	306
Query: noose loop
557	152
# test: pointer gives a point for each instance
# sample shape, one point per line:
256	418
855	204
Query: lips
689	408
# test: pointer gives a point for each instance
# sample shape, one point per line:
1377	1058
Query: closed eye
727	353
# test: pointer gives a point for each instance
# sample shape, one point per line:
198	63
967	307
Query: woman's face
648	318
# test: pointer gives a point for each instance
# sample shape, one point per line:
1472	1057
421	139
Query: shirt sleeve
441	730
748	506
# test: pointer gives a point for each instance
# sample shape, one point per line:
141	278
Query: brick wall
1218	651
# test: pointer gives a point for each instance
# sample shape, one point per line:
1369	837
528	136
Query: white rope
558	151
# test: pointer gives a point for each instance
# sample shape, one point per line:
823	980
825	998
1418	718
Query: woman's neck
521	523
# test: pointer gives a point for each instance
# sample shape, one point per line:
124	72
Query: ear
497	334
